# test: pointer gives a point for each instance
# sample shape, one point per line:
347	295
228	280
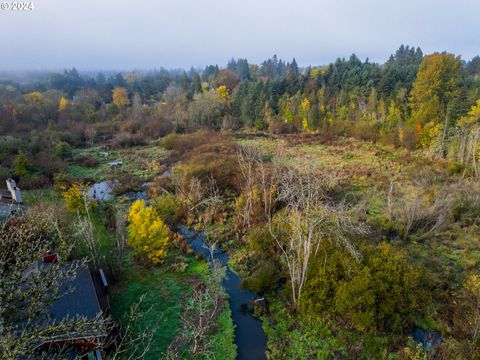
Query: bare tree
467	137
309	218
258	175
267	179
469	154
86	234
54	220
419	214
90	134
248	157
198	198
176	105
137	107
203	306
120	234
134	344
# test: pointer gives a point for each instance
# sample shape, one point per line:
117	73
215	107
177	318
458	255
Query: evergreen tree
197	84
293	69
210	72
400	70
243	69
232	65
185	82
473	66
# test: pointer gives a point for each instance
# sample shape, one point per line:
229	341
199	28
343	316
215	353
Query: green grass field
32	197
165	293
140	161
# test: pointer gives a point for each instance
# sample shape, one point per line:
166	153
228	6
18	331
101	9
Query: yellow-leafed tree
147	234
63	104
436	86
304	113
34	98
468	129
75	198
222	91
120	96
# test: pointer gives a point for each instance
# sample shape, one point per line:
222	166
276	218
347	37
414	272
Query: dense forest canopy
261	96
412	100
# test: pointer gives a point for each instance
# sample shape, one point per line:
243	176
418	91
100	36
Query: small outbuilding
102	191
10	200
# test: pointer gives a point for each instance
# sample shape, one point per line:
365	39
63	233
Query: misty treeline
412	100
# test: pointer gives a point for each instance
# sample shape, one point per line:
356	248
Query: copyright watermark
17	6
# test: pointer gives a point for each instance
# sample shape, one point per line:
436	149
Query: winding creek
249	337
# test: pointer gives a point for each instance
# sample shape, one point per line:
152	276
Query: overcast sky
146	34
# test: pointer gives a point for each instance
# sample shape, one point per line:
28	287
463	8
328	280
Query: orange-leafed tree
120	96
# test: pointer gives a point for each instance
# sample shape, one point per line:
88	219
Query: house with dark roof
80	297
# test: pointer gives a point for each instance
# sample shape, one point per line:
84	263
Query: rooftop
7	208
78	298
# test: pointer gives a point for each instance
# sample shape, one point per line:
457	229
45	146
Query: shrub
249	212
48	163
204	155
36	181
54	222
206	167
466	206
389	137
86	161
466	319
414	351
63	150
155	127
170	141
125	182
455	168
159	185
75	198
384	292
168	208
4	173
147	234
364	130
20	164
423	213
408	137
125	139
347	155
180	243
63	180
179	267
215	161
259	239
181	144
264	277
9	146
